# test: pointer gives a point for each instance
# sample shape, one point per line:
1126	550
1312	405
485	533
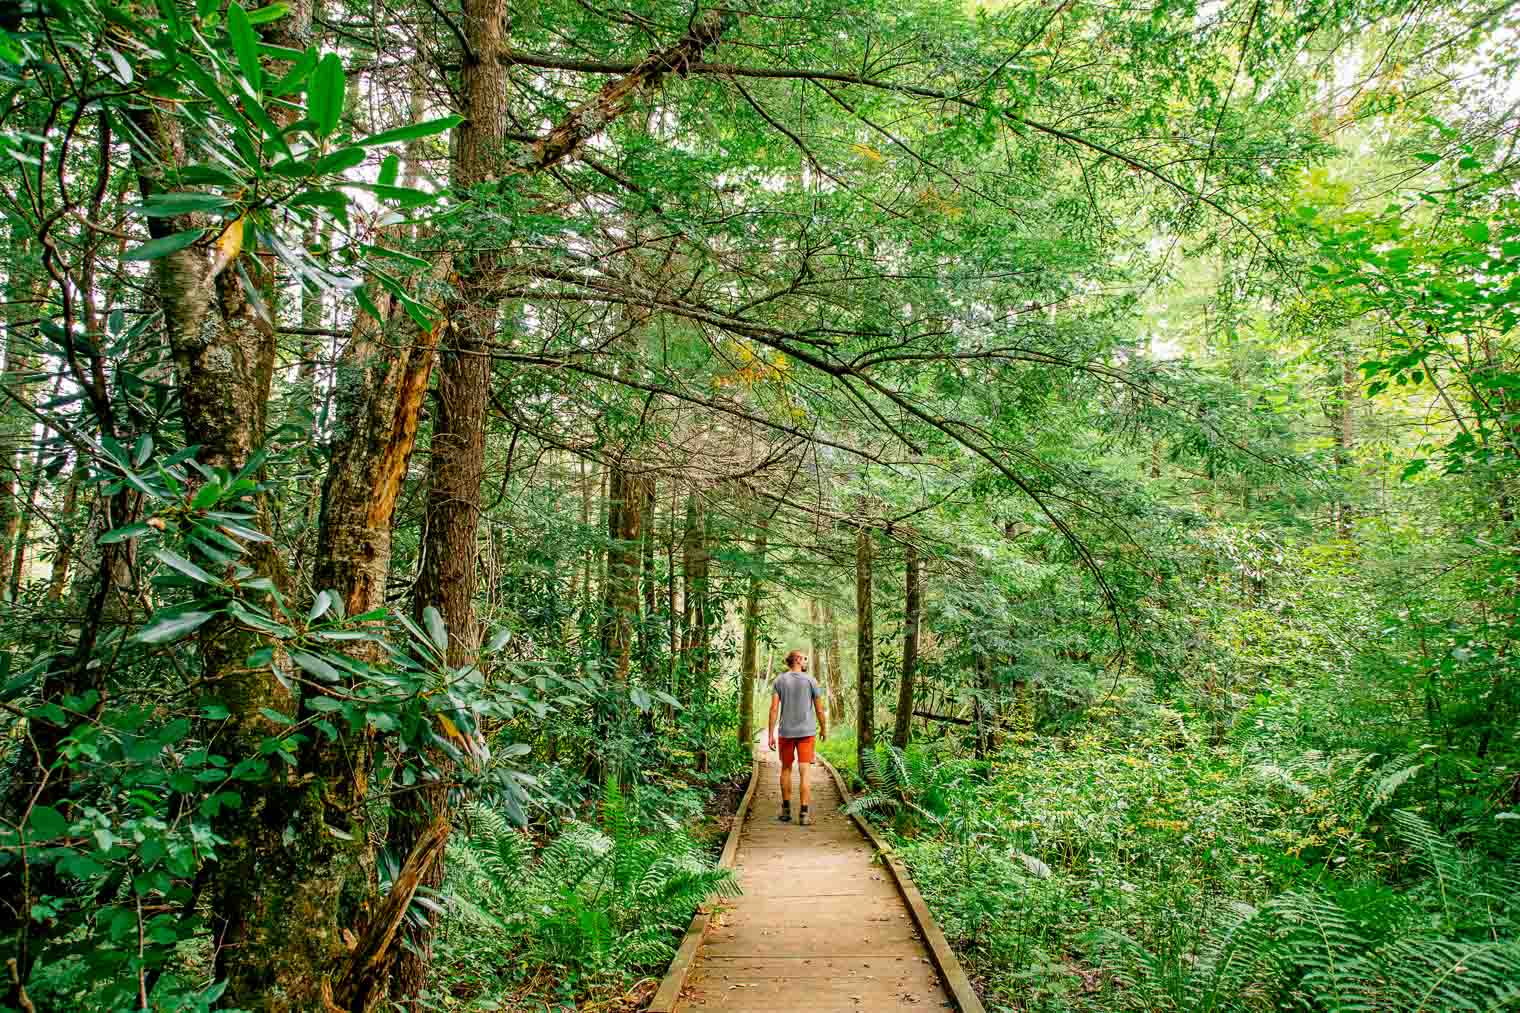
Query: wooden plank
820	926
814	967
814	984
954	976
669	992
772	976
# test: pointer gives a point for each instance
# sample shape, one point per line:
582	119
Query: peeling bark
617	96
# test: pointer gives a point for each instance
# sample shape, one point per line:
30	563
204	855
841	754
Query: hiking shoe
786	814
804	818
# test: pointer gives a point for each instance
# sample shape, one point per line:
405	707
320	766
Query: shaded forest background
425	427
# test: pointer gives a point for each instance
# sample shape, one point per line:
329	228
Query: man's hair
795	656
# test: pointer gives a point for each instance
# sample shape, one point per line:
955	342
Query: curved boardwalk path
820	926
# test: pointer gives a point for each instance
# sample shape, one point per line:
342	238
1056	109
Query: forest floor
819	925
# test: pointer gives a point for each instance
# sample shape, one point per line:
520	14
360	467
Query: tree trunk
447	582
750	660
985	722
625	510
58	581
904	724
1345	440
603	556
448	579
978	709
20	536
277	893
277	930
650	579
450	554
819	656
837	708
588	470
674	615
694	560
865	651
23	289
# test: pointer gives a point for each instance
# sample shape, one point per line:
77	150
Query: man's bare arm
770	737
823	717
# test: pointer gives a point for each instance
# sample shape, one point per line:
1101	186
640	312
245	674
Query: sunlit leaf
245	43
268	13
294	78
339	161
172	627
325	95
320	605
175	561
315	666
163	245
411	132
437	632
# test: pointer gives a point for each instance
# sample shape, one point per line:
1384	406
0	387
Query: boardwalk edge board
669	992
950	971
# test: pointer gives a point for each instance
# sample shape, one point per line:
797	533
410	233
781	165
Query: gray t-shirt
797	691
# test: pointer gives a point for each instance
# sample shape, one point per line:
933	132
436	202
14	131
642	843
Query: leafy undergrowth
839	749
584	911
1130	864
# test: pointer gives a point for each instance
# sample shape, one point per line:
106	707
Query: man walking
797	701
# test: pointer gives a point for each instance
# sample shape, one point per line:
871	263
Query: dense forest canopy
426	428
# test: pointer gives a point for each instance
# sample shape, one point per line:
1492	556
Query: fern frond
571	857
1433	853
1432	973
1321	940
1236	959
1380	792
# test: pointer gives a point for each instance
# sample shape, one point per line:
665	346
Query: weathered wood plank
959	986
820	925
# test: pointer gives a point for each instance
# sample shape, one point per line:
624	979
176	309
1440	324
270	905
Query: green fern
1431	973
905	787
598	899
1356	784
1305	950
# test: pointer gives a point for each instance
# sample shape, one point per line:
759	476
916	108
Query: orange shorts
802	748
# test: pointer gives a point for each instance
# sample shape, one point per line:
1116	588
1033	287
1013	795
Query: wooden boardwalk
820	927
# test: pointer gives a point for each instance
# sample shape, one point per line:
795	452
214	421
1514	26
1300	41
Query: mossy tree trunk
912	579
448	579
838	708
865	650
749	663
695	559
625	512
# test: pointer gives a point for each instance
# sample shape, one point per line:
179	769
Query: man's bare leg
807	789
786	788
